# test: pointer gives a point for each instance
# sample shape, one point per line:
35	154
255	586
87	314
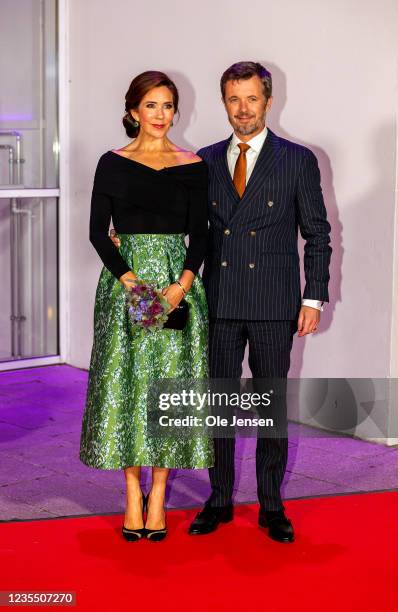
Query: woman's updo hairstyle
139	87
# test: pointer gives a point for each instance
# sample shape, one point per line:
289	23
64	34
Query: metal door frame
63	201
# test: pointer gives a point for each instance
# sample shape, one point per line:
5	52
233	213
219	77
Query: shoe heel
228	517
154	535
133	535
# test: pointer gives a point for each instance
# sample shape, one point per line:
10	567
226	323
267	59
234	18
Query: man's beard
248	128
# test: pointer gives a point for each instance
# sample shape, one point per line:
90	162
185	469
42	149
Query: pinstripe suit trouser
270	344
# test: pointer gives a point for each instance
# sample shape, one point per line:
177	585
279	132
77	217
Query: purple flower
157	308
144	305
147	307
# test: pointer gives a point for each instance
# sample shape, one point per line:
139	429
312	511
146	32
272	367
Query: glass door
29	187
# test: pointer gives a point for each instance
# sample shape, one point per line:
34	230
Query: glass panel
28	94
28	261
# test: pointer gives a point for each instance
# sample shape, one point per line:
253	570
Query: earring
136	123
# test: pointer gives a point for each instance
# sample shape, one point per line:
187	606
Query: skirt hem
176	466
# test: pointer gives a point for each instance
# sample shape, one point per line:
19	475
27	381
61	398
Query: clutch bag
178	318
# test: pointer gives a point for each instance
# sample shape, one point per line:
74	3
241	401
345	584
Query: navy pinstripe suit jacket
251	269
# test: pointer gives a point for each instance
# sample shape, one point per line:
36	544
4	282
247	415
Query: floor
41	475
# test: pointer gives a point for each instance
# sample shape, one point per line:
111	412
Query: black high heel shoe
133	535
155	535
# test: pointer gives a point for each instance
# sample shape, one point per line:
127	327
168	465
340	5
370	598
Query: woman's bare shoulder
188	157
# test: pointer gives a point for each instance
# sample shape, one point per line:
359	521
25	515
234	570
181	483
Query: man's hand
114	238
308	320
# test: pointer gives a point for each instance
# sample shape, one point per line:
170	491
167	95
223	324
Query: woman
155	193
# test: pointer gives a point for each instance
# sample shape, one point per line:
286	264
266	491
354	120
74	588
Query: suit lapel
269	156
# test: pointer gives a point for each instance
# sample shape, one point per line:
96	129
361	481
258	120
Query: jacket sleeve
314	228
100	216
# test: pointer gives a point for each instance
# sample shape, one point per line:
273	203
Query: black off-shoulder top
141	200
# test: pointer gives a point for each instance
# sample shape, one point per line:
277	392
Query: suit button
252	233
214	203
251	265
224	264
270	203
227	232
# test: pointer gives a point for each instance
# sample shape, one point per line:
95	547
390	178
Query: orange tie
240	169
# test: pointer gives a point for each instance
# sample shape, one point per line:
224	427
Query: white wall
334	66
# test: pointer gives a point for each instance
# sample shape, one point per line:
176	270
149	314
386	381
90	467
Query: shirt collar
255	143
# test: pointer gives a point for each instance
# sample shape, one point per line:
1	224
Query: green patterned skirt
125	358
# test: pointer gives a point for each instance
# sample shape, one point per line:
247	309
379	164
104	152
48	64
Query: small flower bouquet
147	307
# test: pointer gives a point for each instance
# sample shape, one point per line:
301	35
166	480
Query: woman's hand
173	294
127	279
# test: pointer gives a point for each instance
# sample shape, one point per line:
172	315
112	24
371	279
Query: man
261	189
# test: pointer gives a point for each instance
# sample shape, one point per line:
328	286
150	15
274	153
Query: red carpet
344	559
